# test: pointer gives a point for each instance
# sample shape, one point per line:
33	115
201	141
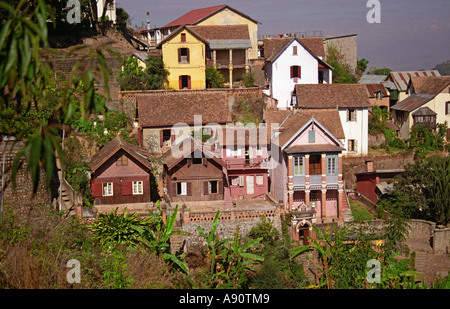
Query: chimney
369	166
148	21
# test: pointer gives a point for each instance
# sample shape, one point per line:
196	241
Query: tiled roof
430	85
313	148
401	79
374	88
177	153
274	46
424	111
331	95
293	121
166	108
224	36
113	147
195	16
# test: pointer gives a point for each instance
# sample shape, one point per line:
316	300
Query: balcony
225	64
246	163
314	180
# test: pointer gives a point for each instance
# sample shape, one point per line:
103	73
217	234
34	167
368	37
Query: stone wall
441	240
437	236
229	221
21	197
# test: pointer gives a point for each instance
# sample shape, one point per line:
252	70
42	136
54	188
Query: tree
23	82
134	77
379	71
341	71
214	79
362	66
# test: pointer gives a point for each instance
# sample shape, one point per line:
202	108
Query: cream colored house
428	103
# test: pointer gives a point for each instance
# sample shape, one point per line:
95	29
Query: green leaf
251	256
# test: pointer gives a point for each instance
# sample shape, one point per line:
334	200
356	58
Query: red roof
194	16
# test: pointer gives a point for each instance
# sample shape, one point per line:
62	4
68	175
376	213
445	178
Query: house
391	88
306	163
244	151
373	183
428	102
401	80
352	103
220	15
164	116
291	61
184	56
120	174
228	49
378	96
193	175
190	49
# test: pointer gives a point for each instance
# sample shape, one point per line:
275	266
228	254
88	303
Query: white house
352	102
110	10
291	61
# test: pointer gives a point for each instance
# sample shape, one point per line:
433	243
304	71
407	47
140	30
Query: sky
411	35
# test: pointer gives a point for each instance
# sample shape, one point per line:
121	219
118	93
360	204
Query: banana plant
212	241
158	235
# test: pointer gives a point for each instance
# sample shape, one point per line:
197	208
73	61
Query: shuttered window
108	189
127	188
296	71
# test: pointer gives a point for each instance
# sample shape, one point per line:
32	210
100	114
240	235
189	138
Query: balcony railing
315	180
246	163
226	63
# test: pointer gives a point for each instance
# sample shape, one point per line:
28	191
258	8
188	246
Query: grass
358	211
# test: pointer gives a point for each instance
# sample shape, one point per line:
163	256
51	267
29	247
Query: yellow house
220	15
428	103
183	53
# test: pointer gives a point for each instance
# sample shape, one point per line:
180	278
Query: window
181	188
165	137
332	165
298	166
311	136
315	164
351	145
351	115
108	189
183	55
234	152
241	181
447	108
212	187
183	37
234	180
294	50
123	160
379	95
259	180
138	187
296	71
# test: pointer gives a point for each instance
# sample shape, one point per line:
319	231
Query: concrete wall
347	45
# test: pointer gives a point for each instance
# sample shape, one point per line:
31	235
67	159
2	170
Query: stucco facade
356	130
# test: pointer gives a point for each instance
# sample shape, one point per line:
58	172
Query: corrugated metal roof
372	79
412	102
401	79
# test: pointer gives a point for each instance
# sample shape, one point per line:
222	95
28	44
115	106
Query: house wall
197	62
228	17
366	185
282	84
320	138
357	130
259	190
437	105
110	172
196	175
383	102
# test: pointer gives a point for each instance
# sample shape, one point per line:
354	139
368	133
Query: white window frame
138	187
301	160
107	189
259	180
183	188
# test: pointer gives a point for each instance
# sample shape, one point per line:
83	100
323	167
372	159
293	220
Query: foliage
134	77
24	81
341	71
424	139
249	79
112	228
214	79
248	111
377	125
362	66
116	275
422	191
157	236
229	258
379	71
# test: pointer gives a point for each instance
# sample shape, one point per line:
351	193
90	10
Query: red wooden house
120	174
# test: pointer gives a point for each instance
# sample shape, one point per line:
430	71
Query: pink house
244	151
307	166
